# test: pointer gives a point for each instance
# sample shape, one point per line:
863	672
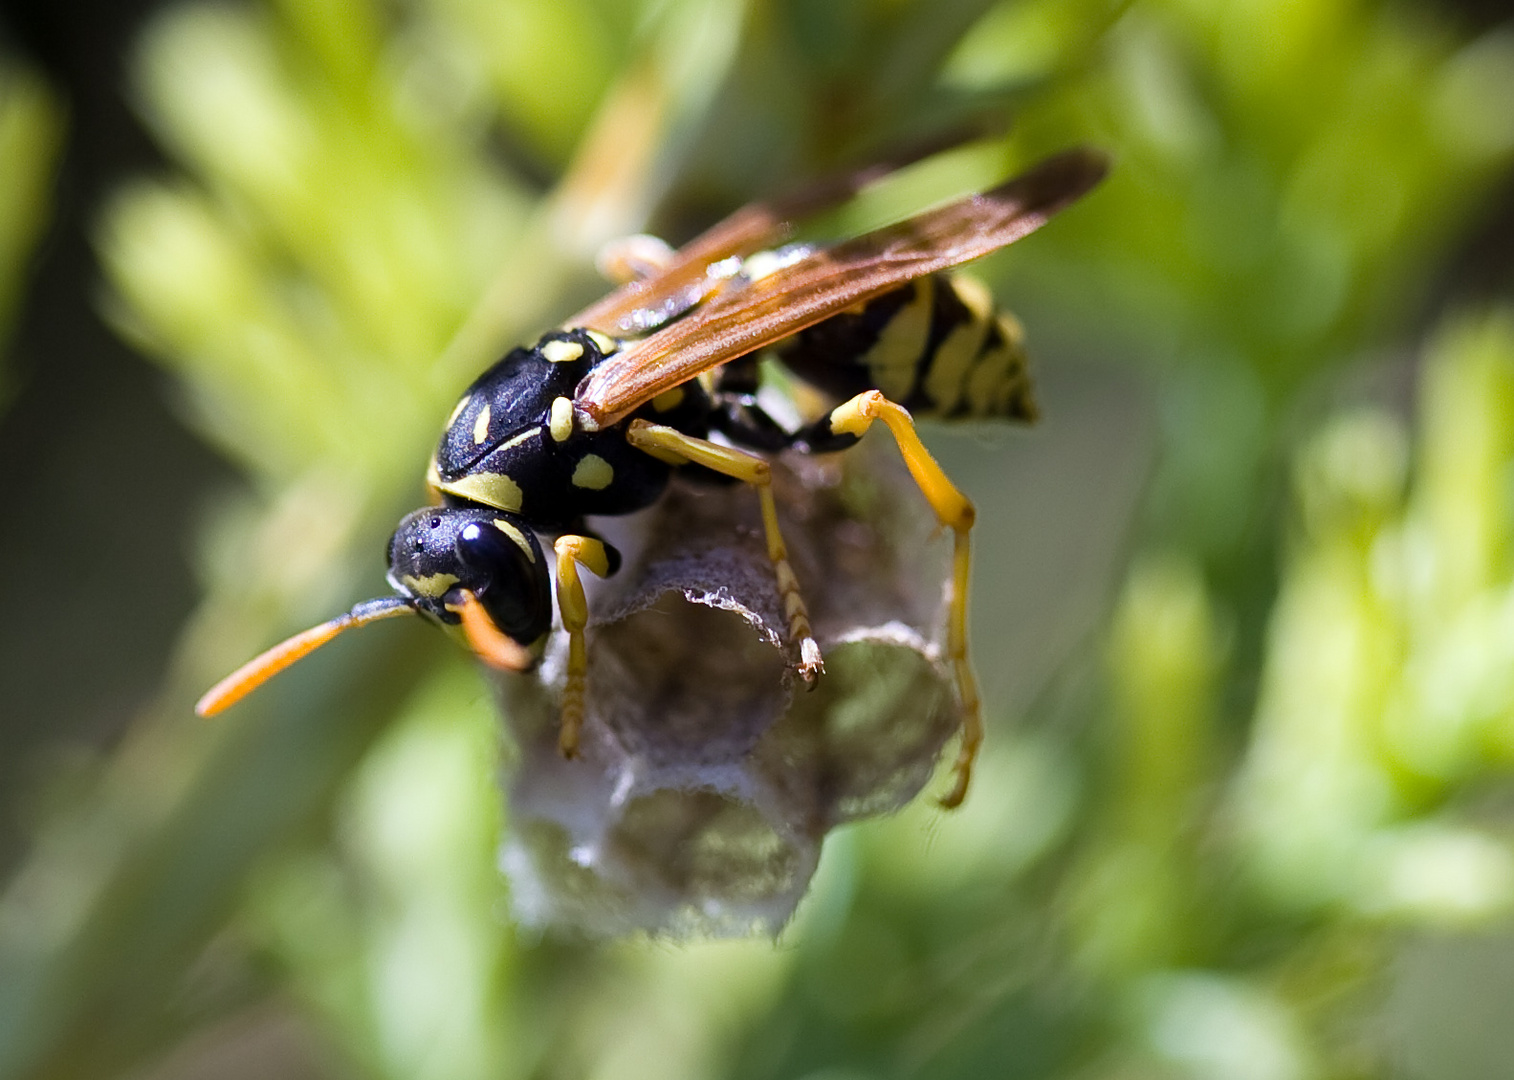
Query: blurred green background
1244	607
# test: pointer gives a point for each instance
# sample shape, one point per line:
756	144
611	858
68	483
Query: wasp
595	417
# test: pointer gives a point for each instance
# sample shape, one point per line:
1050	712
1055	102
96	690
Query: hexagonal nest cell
707	775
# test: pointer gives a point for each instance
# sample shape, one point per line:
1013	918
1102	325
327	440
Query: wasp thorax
439	552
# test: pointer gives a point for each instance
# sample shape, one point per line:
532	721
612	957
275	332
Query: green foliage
29	134
1388	689
1281	749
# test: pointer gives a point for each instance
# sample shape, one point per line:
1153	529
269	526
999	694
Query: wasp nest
707	775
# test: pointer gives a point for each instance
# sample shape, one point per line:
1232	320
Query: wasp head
440	557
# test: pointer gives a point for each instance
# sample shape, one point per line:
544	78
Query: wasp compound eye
508	573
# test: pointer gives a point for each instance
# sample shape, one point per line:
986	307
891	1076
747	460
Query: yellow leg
953	510
633	258
573	551
674	446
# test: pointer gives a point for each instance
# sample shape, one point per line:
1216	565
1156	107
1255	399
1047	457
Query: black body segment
512	443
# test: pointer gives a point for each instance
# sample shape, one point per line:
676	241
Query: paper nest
707	775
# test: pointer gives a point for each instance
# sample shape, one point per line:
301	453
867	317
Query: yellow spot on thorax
561	352
560	421
593	472
457	410
481	425
606	344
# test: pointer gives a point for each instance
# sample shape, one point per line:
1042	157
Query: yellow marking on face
668	399
431	586
561	352
481	425
593	472
515	534
560	422
457	410
892	360
606	344
949	366
490	489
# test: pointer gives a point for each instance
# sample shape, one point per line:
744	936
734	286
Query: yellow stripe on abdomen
947	369
895	357
998	384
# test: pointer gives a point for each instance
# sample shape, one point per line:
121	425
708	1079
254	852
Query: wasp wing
744	319
686	281
640	306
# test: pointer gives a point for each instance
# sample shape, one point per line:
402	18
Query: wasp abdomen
936	345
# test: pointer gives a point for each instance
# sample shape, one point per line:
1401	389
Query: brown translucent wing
638	306
825	283
684	283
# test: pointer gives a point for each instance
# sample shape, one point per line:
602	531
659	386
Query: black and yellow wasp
595	417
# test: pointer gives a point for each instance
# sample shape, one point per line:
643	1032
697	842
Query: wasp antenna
253	674
488	642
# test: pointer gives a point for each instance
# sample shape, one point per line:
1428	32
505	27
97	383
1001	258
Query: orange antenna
253	674
488	642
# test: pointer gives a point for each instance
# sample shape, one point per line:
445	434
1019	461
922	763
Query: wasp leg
954	511
573	551
738	417
675	447
633	258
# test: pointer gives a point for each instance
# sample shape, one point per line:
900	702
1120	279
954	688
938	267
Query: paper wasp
594	418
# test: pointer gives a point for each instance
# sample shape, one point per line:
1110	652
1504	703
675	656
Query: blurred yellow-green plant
29	136
1243	615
